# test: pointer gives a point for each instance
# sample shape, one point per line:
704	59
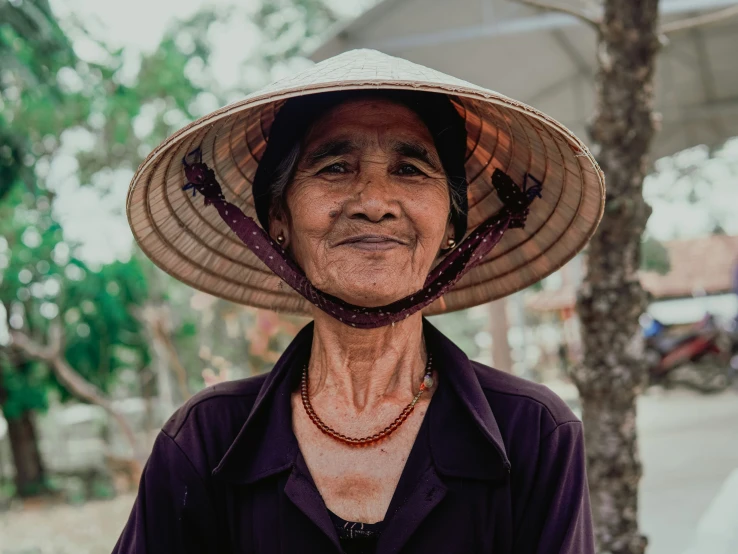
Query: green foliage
698	183
33	53
162	92
31	39
163	74
42	281
654	256
44	91
290	27
104	334
26	386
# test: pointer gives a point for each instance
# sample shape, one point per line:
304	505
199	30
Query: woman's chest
286	515
356	488
357	484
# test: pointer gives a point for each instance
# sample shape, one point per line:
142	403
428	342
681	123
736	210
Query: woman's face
368	208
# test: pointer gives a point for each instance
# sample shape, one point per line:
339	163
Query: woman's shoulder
518	402
205	426
230	399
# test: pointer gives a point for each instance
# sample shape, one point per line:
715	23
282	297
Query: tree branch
162	334
157	320
53	355
699	20
591	19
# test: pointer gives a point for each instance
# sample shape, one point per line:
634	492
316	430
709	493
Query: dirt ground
91	528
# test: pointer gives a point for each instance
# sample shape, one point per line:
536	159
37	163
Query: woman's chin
370	296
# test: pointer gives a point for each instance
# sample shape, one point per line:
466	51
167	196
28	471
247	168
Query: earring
451	243
280	239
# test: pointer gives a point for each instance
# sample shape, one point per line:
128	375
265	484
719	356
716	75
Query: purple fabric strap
442	278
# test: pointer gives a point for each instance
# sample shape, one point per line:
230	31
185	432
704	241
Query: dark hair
297	115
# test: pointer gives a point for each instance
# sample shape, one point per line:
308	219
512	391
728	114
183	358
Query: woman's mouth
372	242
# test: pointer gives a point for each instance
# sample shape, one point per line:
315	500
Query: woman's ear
449	243
278	228
450	230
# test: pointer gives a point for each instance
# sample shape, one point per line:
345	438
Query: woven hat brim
192	243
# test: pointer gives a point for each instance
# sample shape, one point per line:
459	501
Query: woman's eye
408	170
335	168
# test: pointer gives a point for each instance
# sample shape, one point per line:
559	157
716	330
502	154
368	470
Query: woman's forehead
365	120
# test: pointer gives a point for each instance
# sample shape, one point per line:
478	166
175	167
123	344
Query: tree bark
611	299
30	474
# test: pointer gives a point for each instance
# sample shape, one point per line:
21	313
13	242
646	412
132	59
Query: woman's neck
365	367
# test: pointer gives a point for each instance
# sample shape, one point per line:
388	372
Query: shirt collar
465	439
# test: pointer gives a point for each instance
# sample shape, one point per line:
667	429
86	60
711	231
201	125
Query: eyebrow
416	151
329	149
338	147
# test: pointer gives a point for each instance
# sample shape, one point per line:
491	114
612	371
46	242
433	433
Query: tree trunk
611	299
154	316
30	475
498	328
76	384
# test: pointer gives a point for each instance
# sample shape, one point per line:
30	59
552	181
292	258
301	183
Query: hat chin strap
442	278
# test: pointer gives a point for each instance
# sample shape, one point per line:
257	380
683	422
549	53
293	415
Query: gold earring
451	243
280	239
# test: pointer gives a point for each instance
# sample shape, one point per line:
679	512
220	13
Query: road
689	447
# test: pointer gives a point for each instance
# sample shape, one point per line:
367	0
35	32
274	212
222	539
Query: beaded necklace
426	384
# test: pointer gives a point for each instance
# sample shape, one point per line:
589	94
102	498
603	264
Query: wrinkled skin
366	220
366	216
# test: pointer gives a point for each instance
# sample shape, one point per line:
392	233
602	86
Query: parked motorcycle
695	356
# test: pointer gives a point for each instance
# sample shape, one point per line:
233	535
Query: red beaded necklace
425	384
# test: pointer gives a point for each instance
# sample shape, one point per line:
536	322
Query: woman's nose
374	201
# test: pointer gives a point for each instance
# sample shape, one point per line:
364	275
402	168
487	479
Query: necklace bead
425	385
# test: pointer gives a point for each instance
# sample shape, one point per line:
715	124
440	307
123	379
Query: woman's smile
368	210
373	242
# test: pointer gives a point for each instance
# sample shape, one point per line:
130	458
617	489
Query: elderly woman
380	188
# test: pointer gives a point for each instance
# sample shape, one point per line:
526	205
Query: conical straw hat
197	247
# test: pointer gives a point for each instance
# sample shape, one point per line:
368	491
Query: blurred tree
33	49
611	299
132	113
697	180
41	285
44	90
290	28
238	341
654	256
37	63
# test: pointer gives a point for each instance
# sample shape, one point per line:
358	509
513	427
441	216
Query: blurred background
98	347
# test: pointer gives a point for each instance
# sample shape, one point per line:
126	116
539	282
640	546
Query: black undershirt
362	538
357	538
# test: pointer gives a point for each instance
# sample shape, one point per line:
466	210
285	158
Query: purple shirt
497	467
